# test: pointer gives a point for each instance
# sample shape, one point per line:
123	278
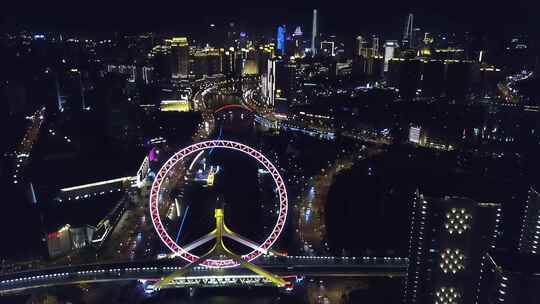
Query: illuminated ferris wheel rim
225	144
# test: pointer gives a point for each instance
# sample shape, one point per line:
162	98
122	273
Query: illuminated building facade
180	57
408	38
328	48
147	74
530	229
298	47
68	238
161	60
269	83
128	70
314	33
390	47
250	68
509	278
285	80
280	39
367	60
449	237
207	62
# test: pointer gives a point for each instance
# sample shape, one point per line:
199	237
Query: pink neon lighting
225	144
233	106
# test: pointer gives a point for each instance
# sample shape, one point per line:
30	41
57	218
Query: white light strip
121	179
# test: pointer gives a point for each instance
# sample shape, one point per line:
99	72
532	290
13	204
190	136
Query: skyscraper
281	40
161	60
180	57
328	48
269	82
509	278
206	62
360	44
285	81
390	47
530	230
366	59
449	237
298	43
408	32
314	33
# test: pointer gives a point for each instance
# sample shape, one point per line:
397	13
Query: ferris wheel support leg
166	281
247	242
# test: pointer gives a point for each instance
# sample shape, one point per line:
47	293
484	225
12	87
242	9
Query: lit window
447	295
452	260
458	220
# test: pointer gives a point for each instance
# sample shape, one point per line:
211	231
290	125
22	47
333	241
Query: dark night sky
347	17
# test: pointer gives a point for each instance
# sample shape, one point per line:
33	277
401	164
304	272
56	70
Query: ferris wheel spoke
200	241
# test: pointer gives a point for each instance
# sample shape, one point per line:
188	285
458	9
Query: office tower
161	61
375	45
250	68
360	43
281	40
408	38
231	35
314	34
366	59
206	62
285	81
269	82
298	43
530	230
228	61
328	48
242	41
147	74
509	278
449	237
180	57
390	47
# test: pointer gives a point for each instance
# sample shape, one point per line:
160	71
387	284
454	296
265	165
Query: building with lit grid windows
449	236
509	278
530	230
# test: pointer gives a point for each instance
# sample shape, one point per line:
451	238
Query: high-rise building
269	83
530	230
180	57
161	60
206	62
281	40
231	35
390	47
408	38
250	68
298	43
360	45
509	278
328	48
366	59
375	45
449	237
314	33
285	80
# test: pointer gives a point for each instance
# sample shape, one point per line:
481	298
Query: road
316	267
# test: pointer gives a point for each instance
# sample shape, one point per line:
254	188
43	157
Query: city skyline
306	153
